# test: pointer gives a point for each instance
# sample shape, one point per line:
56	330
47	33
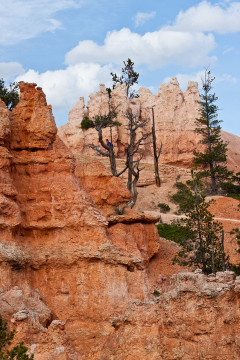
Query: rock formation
76	279
55	239
175	114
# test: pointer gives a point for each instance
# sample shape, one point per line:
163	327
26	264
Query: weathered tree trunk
199	230
223	253
130	150
155	154
213	256
134	192
110	152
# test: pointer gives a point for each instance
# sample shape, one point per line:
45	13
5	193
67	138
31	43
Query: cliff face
76	278
63	265
175	114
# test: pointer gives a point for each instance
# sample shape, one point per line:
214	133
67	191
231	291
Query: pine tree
129	77
18	352
204	247
9	95
213	158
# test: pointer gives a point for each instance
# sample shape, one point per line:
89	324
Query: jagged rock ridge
175	114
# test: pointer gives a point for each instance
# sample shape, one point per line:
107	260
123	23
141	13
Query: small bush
232	189
87	123
18	352
118	210
156	293
174	231
164	208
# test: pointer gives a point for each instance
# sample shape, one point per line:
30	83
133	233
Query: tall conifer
213	158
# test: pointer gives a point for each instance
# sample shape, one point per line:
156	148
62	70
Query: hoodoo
79	281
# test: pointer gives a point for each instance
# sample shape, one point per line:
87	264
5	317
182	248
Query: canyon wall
175	114
76	278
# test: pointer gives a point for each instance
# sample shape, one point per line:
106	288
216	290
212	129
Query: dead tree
156	154
101	122
134	154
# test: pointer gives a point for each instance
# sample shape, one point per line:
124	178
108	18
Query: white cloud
25	19
155	49
9	70
219	18
64	87
228	50
226	78
142	17
198	76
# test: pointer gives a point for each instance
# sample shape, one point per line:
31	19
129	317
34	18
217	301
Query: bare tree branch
96	148
159	151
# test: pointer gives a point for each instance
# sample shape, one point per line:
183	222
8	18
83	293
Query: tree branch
94	147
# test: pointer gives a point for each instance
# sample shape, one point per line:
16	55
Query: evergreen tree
18	352
213	158
9	95
128	77
204	247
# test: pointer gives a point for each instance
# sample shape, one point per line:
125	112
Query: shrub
164	208
174	231
232	190
18	352
156	293
118	210
87	123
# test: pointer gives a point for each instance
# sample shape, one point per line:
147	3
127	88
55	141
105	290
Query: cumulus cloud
198	76
9	70
142	17
64	87
23	19
155	49
220	18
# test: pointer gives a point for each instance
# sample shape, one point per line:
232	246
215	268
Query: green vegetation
213	158
87	123
198	234
128	77
118	210
18	352
164	208
156	293
9	95
183	197
232	188
175	232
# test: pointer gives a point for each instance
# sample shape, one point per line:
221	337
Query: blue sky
69	47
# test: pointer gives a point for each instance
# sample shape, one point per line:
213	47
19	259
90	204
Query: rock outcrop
175	114
191	317
76	278
55	239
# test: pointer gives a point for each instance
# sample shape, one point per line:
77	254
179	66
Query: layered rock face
76	278
192	317
175	114
58	251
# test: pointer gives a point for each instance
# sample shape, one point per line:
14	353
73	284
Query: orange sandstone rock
175	114
32	122
75	277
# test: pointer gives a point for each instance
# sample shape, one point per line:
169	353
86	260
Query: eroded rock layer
56	243
175	114
76	278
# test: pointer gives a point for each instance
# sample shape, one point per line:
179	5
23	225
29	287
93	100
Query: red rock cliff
75	277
